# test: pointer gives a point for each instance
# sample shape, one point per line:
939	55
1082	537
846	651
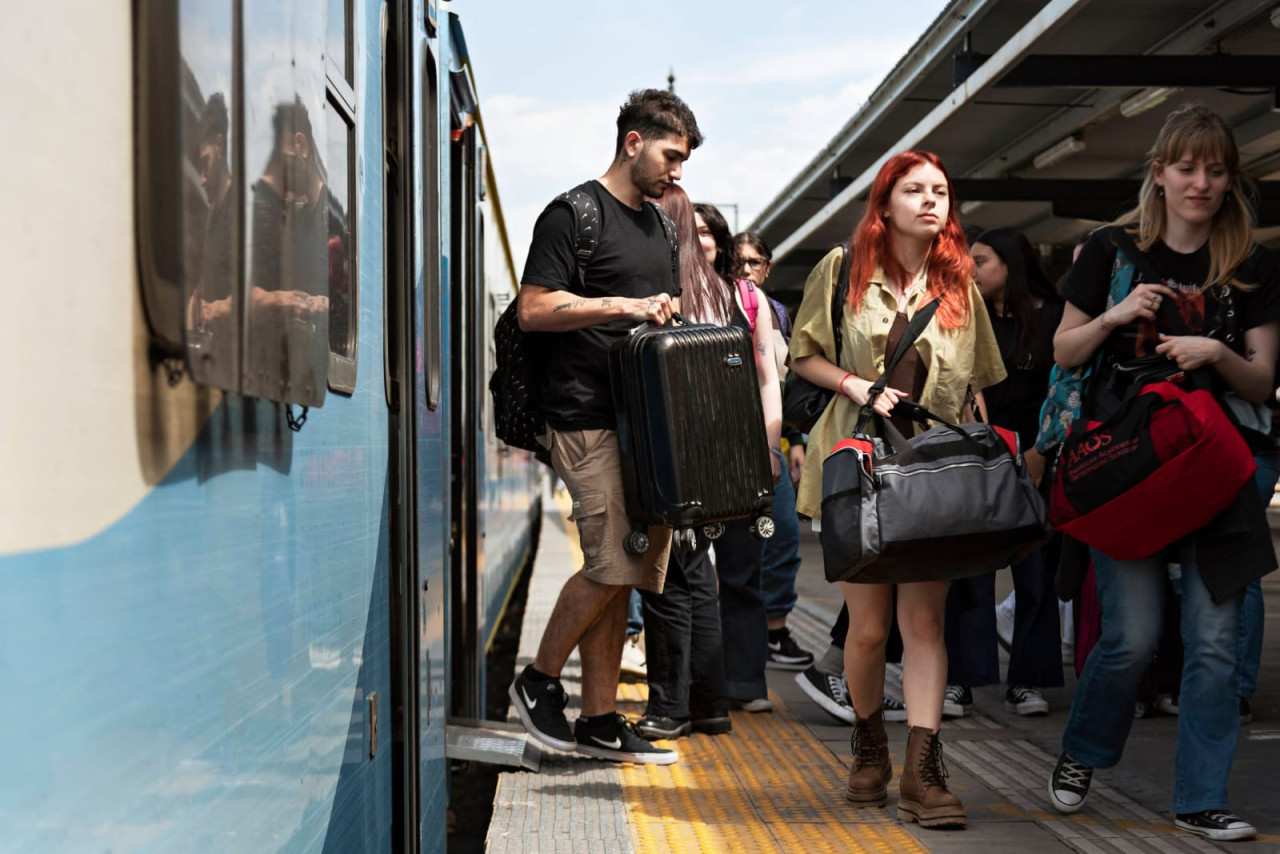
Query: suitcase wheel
685	540
762	528
636	543
714	531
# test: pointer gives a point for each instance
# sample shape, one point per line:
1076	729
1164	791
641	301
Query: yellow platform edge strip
768	786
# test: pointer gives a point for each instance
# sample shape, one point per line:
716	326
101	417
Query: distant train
255	530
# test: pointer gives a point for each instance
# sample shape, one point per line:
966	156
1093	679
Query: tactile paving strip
1111	822
769	786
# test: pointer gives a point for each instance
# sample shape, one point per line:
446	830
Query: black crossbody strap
839	296
915	327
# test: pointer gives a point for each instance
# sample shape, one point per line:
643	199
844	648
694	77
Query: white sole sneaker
549	741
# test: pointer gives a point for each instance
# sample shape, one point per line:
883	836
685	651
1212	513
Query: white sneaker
633	659
1025	701
954	701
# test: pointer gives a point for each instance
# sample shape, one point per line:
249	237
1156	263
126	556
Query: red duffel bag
1163	466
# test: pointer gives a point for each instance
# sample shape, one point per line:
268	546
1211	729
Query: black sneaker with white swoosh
541	709
616	739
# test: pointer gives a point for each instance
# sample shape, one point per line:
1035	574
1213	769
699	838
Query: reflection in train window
337	43
342	271
340	158
286	209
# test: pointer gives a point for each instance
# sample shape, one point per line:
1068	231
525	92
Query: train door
467	646
417	399
405	603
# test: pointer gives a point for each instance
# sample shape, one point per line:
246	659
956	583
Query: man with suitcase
627	278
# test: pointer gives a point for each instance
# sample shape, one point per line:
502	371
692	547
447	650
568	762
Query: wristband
843	378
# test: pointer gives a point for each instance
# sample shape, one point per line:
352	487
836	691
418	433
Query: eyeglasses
753	262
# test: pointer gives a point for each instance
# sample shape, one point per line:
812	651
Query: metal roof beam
1209	25
1103	71
1053	15
957	19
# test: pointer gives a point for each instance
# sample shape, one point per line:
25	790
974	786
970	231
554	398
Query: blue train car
255	531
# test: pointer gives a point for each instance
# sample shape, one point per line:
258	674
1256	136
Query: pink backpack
750	300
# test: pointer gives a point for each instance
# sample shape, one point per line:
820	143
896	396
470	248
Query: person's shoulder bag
804	402
952	502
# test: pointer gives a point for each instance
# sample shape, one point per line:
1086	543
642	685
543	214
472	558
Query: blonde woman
1193	224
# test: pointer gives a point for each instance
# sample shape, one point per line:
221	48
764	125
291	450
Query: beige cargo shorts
590	464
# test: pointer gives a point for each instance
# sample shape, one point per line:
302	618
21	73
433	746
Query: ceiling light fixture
1059	151
1145	100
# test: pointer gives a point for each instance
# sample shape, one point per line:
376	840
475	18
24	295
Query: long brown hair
1196	131
705	296
950	269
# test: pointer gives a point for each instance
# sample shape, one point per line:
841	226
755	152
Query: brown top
908	375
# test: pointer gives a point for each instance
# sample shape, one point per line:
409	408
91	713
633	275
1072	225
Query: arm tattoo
1249	354
762	347
578	303
606	302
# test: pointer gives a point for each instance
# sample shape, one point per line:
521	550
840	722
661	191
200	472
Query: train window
343	291
187	206
432	294
338	42
286	333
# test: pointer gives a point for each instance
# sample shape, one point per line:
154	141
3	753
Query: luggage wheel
636	543
714	531
762	528
684	539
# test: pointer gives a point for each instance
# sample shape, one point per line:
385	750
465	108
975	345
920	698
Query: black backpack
521	357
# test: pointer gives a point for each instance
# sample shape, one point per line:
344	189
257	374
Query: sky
770	83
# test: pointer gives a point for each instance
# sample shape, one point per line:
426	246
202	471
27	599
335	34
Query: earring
1160	191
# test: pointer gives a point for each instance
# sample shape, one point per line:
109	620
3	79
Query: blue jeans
635	616
1131	594
1253	615
781	559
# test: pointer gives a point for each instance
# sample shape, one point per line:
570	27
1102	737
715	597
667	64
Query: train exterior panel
219	633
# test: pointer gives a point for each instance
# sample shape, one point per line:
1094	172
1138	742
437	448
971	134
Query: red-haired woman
908	250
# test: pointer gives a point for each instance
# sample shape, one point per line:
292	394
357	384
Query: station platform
776	783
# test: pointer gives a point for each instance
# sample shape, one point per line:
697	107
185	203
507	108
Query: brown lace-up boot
923	793
870	772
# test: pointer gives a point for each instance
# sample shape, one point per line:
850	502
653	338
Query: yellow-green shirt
957	359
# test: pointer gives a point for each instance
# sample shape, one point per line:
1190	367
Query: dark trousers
1035	655
683	647
892	644
742	619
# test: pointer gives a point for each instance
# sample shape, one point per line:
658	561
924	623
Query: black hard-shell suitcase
691	432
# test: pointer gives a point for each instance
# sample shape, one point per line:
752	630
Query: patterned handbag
1065	397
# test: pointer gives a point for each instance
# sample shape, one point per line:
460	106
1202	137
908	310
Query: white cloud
764	118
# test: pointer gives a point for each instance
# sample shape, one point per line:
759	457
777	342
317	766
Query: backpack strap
840	296
669	229
750	300
586	223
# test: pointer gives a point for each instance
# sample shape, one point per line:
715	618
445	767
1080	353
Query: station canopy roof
1043	113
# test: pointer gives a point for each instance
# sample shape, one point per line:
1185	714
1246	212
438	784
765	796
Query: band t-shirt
1088	288
632	259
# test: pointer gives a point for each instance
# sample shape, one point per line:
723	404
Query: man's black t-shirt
632	259
1088	288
